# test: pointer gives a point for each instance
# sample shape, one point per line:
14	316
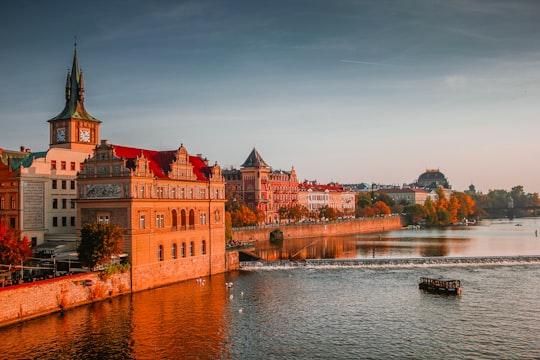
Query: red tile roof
160	161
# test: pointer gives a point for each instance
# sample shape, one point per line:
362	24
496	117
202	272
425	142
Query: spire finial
75	43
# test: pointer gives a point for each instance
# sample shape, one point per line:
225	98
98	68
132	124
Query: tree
381	208
228	226
414	213
99	242
13	249
243	216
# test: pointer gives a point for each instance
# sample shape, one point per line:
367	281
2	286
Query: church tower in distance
74	128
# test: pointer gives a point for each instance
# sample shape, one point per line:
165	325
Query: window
64	221
2	203
160	221
72	185
72	221
142	222
202	218
53	164
173	193
142	191
55	203
54	185
203	247
160	252
174	254
159	192
12	222
80	166
64	203
64	184
103	218
63	165
55	221
72	166
72	204
183	250
13	202
191	248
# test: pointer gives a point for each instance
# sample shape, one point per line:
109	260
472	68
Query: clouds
347	91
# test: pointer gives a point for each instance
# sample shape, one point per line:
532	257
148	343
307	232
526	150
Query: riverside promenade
306	230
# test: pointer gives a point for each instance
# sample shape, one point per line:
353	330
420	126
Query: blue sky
346	91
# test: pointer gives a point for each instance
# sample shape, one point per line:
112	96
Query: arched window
174	252
191	219
174	216
203	247
183	220
160	252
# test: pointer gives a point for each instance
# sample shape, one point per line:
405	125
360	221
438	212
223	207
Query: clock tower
74	128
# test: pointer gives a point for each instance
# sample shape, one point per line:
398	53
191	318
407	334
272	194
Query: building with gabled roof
40	201
170	203
262	188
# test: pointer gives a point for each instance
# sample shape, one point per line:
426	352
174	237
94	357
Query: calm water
318	313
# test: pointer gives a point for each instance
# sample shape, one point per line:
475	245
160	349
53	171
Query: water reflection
495	238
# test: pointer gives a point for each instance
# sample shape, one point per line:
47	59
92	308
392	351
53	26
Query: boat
440	285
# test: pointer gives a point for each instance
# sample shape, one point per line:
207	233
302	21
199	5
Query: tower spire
74	93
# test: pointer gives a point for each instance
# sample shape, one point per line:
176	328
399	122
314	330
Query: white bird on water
240	310
231	297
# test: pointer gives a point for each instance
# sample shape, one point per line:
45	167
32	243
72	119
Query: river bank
344	227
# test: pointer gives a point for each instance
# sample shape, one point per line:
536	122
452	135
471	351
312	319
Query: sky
347	91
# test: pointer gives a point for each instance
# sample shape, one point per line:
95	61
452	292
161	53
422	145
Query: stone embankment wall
26	301
356	226
30	300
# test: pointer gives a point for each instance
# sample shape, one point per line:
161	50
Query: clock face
84	135
61	135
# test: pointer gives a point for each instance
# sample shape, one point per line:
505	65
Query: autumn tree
99	243
381	208
228	226
13	249
243	216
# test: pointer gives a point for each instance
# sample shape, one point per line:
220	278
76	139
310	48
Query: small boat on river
440	285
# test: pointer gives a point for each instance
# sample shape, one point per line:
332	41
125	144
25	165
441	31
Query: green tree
414	213
13	249
99	242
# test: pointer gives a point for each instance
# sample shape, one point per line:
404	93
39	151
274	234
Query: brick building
261	187
171	204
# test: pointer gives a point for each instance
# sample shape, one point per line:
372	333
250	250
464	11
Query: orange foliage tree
13	249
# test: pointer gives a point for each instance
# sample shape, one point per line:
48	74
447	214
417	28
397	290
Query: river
313	312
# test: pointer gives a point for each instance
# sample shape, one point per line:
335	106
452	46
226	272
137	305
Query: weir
390	262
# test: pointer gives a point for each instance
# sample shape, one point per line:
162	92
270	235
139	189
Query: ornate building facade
37	189
262	188
170	203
